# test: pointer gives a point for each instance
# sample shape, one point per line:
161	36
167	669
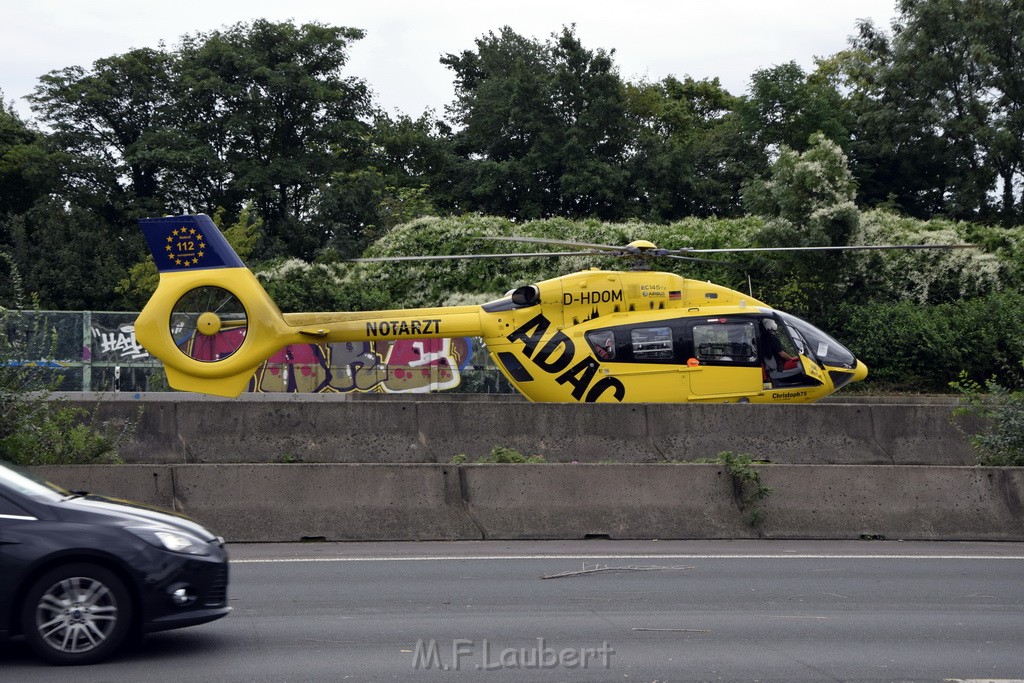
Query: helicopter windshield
821	346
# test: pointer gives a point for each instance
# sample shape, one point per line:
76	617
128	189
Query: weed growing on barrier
66	436
501	455
747	488
999	438
34	429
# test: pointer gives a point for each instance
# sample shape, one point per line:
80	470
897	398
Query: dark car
81	574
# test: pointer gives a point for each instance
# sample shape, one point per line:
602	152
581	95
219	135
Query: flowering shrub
429	283
928	276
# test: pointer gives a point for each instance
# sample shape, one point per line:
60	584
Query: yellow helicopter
593	336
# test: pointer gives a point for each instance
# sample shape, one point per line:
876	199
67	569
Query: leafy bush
1000	441
299	286
923	348
806	187
35	430
501	455
63	435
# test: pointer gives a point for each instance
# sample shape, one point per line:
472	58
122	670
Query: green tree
66	255
70	258
934	62
901	179
802	186
786	106
544	127
938	106
278	120
107	127
691	156
257	113
405	161
25	164
108	120
417	160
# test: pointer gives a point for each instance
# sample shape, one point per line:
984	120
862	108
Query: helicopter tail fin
209	320
188	243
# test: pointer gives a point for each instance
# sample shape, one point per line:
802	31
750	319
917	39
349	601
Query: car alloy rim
76	614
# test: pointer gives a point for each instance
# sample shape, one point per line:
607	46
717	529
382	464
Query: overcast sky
404	39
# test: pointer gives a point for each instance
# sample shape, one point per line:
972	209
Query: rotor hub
208	323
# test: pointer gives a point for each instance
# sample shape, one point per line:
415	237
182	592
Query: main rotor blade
558	243
459	257
681	254
851	247
703	260
692	250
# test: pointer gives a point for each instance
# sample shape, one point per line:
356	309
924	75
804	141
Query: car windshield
24	483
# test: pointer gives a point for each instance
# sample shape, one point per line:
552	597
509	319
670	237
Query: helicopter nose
860	372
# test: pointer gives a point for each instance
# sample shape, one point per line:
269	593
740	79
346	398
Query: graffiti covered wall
406	366
99	351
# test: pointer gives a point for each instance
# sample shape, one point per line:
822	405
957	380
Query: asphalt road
595	611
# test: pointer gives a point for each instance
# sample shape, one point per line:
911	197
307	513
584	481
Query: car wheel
76	614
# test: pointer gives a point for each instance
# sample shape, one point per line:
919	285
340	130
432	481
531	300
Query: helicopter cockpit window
603	344
820	345
652	343
726	342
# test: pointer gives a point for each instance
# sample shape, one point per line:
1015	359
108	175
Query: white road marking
577	556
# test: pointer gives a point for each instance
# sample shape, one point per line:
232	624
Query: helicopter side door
725	362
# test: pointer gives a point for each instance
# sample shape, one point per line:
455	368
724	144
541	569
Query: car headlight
170	539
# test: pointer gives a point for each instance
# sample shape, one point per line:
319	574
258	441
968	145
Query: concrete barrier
331	502
147	484
183	428
614	501
819	434
339	502
908	503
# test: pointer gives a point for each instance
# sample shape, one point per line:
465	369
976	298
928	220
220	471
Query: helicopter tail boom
212	324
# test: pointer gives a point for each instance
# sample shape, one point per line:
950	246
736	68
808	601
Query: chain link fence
97	351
